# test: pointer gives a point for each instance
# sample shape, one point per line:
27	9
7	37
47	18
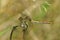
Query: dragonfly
24	24
24	20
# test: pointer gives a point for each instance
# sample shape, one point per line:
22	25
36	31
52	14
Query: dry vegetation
12	10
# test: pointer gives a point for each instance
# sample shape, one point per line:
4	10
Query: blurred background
38	10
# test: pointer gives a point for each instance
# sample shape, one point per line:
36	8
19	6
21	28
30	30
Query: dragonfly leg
12	32
25	27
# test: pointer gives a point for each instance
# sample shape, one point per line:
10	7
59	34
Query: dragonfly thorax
24	21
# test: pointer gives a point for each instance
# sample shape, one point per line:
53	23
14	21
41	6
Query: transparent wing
38	30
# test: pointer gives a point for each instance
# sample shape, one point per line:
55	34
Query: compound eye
20	18
28	18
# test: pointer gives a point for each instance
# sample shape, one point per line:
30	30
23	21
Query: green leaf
40	12
5	30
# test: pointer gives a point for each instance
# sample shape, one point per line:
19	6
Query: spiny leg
12	32
24	32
